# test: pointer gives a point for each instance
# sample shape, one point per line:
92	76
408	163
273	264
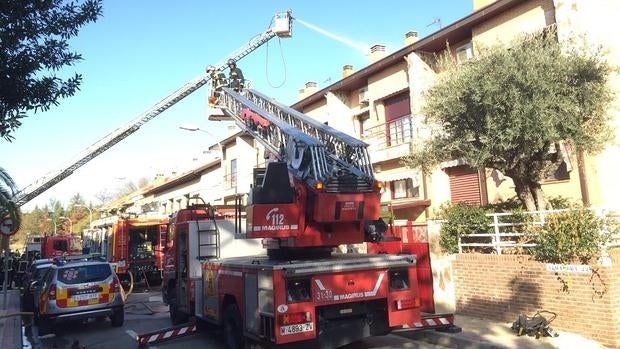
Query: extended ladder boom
281	27
313	151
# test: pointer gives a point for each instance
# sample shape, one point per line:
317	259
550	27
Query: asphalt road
144	313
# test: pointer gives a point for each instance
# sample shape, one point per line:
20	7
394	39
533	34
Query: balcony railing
390	140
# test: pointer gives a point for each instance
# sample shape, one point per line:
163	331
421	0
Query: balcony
391	140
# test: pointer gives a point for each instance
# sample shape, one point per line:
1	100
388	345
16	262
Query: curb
456	341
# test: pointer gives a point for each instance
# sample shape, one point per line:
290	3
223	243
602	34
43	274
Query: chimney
376	53
347	70
411	37
310	88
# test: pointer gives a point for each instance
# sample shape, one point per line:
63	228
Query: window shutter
397	106
464	185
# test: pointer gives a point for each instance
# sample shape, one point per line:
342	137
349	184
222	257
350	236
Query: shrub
560	202
569	236
509	205
460	219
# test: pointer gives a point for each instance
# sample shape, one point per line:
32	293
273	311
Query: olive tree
507	107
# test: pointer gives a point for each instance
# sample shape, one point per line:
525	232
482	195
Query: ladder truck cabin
318	192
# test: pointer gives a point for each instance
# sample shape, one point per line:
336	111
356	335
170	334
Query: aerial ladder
333	199
281	27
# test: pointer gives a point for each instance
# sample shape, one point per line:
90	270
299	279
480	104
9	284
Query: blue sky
140	51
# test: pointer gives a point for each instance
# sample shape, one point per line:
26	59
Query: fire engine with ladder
318	192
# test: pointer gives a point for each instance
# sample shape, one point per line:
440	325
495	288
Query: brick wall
502	286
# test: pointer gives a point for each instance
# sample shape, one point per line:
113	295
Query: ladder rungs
202	258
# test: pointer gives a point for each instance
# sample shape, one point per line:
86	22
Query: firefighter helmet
231	62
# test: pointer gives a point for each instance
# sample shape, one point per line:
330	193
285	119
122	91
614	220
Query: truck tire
232	325
177	317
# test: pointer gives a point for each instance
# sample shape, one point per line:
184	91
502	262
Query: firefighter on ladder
235	76
218	80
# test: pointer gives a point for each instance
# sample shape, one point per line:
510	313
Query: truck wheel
177	317
118	318
233	327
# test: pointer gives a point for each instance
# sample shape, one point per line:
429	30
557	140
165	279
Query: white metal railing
506	234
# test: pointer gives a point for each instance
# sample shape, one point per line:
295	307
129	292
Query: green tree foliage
33	47
458	220
506	108
571	236
8	208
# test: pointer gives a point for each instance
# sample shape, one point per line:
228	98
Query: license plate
85	297
292	329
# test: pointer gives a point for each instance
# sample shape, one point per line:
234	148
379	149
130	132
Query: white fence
507	233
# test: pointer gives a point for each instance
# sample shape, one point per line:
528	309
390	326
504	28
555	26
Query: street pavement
476	334
488	334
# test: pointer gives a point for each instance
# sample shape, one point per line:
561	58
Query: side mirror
34	284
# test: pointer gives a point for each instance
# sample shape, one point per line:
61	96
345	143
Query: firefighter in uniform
235	76
218	80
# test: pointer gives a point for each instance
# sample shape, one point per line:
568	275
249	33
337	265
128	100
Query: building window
398	119
60	245
464	53
361	119
404	188
559	174
233	173
400	131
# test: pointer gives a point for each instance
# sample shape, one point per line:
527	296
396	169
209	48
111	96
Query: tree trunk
539	195
524	193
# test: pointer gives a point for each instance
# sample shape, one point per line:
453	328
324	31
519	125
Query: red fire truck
317	193
135	244
49	246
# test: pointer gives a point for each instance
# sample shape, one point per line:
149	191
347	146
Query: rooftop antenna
437	21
